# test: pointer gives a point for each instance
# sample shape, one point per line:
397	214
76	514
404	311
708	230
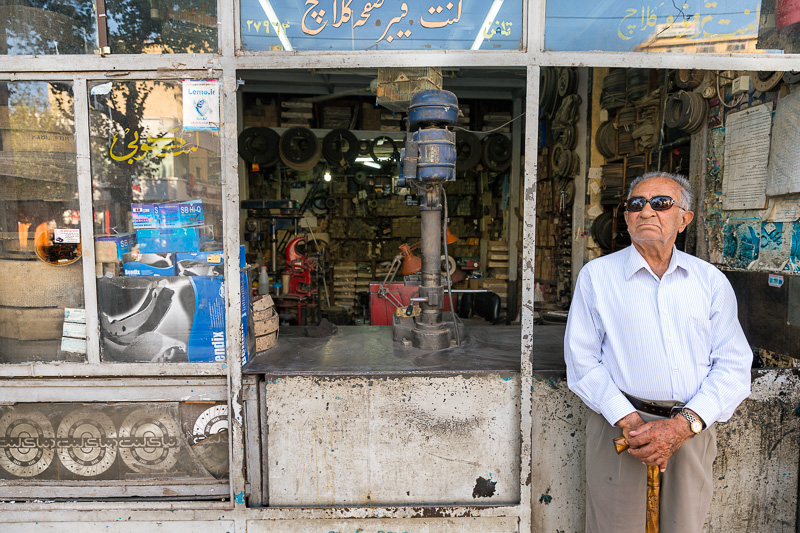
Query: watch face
697	426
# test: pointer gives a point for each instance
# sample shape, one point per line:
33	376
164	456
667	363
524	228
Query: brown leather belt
652	408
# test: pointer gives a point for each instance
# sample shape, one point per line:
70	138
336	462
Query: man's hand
654	442
628	423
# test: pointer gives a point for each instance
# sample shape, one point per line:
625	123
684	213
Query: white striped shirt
674	338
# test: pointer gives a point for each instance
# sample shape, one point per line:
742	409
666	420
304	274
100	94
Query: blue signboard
381	25
612	25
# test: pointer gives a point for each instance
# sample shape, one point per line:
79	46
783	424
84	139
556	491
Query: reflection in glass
47	27
162	27
39	226
157	202
691	26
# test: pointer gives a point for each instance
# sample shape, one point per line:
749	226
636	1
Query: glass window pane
380	25
158	224
47	27
162	27
689	26
40	246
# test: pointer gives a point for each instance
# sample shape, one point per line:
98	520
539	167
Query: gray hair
686	187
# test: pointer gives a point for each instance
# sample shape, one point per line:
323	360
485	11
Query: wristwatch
694	424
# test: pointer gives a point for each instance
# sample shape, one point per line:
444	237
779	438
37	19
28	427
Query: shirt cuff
617	408
705	408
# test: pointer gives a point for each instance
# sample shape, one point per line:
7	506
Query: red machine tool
299	268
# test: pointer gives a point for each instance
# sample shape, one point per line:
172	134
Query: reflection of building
681	40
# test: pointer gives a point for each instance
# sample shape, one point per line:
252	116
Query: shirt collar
636	262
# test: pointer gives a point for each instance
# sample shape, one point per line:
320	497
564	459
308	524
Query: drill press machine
428	161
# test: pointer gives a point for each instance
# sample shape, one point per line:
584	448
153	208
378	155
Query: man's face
649	226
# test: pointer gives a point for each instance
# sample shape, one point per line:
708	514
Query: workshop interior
336	220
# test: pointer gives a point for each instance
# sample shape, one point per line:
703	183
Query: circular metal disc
149	441
299	148
210	422
259	145
89	442
25	431
766	81
791	76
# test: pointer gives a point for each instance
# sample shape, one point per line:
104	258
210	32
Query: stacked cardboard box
344	284
265	323
370	117
492	121
391	122
363	278
294	113
497	280
337	117
260	115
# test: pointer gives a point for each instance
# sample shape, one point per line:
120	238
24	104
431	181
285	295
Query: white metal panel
389	441
121	526
411	525
127	390
41	370
526	305
84	170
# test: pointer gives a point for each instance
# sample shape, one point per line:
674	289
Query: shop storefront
155	156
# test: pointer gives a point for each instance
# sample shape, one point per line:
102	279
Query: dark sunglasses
658	203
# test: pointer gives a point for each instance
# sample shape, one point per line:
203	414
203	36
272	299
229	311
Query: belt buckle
675	409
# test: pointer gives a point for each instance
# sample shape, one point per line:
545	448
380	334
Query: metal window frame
224	66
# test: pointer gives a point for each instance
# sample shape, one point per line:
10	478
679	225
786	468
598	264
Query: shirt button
674	368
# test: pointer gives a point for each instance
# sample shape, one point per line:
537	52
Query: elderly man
654	348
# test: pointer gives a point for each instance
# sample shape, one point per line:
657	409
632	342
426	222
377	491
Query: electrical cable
456	320
490	131
722	96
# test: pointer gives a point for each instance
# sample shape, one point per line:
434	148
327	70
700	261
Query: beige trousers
616	484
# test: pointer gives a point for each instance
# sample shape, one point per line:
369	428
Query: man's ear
686	218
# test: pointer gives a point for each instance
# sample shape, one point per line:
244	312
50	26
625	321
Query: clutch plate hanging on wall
468	150
299	148
340	147
497	152
259	146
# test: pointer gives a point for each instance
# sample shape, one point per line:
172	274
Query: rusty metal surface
385	441
414	525
370	350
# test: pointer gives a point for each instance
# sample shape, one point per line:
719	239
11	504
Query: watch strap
690	418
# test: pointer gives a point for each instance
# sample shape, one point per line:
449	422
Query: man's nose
647	210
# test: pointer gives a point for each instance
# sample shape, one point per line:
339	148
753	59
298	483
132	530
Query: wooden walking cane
653	489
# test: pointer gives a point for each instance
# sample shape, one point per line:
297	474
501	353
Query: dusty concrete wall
755	474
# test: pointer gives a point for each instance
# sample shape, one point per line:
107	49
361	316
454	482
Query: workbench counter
369	350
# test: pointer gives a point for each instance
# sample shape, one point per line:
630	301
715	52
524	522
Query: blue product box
124	241
163	240
144	216
207	337
149	265
191	213
179	215
183	319
167	215
200	263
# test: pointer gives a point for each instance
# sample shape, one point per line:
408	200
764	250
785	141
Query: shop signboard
382	25
685	26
